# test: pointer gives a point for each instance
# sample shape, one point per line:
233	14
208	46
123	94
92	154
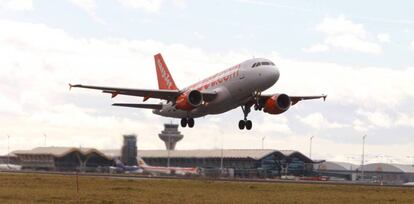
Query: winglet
70	86
324	97
114	94
146	98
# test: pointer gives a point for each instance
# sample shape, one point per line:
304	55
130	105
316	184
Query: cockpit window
262	63
256	64
265	63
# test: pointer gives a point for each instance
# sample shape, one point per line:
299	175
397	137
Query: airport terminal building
62	159
240	162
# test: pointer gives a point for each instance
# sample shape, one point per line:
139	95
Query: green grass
34	188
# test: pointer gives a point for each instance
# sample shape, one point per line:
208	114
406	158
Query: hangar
389	173
62	158
342	170
386	173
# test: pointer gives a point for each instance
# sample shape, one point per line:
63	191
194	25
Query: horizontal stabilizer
139	105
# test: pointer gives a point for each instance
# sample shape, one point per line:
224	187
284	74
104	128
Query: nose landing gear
187	121
258	103
245	123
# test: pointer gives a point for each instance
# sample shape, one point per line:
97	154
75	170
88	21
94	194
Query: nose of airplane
268	76
276	73
272	75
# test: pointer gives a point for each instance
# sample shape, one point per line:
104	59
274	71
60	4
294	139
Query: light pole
263	138
222	157
8	150
310	147
45	136
363	156
168	150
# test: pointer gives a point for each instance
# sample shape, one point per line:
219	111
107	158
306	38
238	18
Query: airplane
162	170
121	168
10	167
238	86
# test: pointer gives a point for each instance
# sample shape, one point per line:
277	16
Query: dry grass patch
33	188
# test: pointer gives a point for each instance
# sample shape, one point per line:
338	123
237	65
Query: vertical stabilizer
165	80
141	163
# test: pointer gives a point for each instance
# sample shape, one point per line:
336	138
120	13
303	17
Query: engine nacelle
189	100
277	104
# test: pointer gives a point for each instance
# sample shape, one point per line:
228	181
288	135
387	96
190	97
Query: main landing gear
187	121
245	123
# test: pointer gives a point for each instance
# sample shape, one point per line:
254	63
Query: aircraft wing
296	99
139	105
146	93
169	95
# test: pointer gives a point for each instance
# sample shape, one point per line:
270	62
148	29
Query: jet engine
189	100
277	104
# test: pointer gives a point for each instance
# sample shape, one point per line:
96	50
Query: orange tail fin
165	80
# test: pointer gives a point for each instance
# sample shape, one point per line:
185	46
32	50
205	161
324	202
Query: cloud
377	118
179	3
405	120
275	5
199	35
90	7
381	119
317	48
370	88
278	124
38	61
152	6
16	5
383	37
147	5
360	126
318	121
412	45
341	33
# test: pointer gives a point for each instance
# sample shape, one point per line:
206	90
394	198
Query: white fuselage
234	87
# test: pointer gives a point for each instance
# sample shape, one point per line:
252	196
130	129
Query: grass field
34	188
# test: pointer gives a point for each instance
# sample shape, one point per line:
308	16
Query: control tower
170	135
129	150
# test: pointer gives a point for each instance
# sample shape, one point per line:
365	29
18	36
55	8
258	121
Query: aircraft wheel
242	123
249	124
190	122
183	122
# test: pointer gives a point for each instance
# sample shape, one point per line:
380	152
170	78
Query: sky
358	53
